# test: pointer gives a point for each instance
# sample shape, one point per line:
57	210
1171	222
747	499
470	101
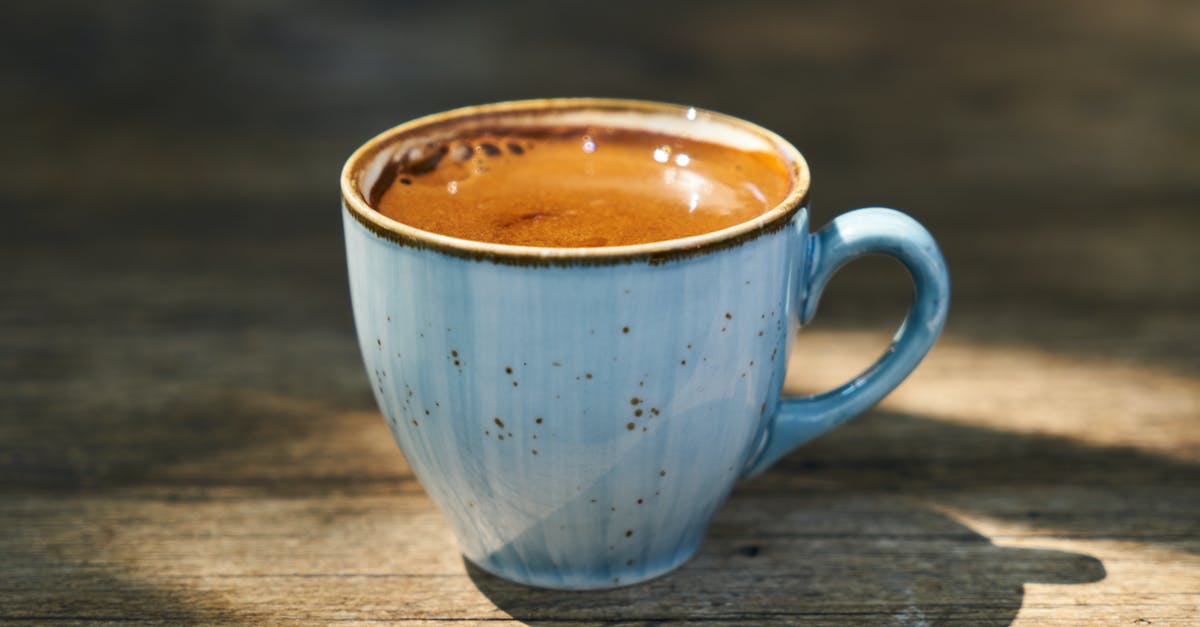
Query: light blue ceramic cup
578	415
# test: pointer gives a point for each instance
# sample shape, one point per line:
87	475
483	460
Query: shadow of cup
820	557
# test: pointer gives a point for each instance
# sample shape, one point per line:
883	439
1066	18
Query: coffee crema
577	186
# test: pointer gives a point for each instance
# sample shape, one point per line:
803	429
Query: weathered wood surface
186	433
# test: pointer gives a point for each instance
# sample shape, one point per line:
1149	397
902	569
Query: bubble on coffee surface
578	187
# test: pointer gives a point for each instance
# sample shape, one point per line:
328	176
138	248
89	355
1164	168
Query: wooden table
187	435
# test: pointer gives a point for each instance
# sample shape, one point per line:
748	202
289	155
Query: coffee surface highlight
578	187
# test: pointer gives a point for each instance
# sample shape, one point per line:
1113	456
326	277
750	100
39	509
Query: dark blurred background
171	236
165	158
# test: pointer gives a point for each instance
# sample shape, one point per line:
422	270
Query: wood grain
187	436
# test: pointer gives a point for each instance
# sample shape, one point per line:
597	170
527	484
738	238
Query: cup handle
874	230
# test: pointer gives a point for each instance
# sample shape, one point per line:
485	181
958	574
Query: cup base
557	580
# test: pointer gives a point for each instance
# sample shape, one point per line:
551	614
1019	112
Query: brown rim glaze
654	252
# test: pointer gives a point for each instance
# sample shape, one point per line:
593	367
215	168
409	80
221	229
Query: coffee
577	186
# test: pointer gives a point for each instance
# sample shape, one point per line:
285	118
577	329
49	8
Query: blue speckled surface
579	426
875	230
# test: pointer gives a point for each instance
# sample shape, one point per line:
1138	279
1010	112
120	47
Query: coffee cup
578	414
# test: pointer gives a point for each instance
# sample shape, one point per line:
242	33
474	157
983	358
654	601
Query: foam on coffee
577	186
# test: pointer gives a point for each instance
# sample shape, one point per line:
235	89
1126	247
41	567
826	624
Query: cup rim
769	221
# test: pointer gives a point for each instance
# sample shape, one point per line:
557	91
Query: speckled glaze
580	423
